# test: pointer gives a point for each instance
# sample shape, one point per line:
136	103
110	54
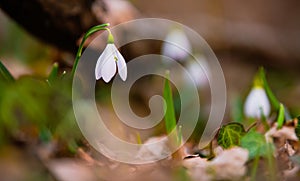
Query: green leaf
170	119
53	74
255	143
280	118
275	103
297	129
230	135
5	74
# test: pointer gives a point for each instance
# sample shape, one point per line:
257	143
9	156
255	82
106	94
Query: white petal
100	61
122	68
108	65
199	71
256	101
176	45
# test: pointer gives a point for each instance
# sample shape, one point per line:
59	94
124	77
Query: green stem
275	103
264	120
110	38
254	168
87	34
271	167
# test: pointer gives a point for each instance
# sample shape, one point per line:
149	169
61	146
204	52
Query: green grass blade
170	119
280	118
297	129
53	74
5	74
275	103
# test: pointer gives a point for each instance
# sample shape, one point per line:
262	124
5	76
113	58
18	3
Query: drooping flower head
257	102
108	62
176	46
198	70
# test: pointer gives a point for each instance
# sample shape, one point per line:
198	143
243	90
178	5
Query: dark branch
60	23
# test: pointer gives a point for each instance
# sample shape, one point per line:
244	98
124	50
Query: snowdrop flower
176	45
198	69
106	63
257	103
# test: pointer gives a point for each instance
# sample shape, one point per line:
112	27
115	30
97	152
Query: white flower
106	64
198	70
176	45
257	103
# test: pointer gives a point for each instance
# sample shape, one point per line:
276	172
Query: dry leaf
286	133
154	148
228	165
70	170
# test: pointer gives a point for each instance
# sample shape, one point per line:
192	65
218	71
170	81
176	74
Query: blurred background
244	35
35	34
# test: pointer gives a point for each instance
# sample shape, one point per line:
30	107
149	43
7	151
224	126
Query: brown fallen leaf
285	133
155	148
70	170
228	165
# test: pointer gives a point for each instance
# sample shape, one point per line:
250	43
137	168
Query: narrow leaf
53	74
170	119
297	128
230	135
5	74
280	118
275	103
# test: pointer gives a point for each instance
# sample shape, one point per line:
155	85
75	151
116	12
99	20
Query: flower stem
87	34
270	162
264	119
110	39
254	168
275	103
